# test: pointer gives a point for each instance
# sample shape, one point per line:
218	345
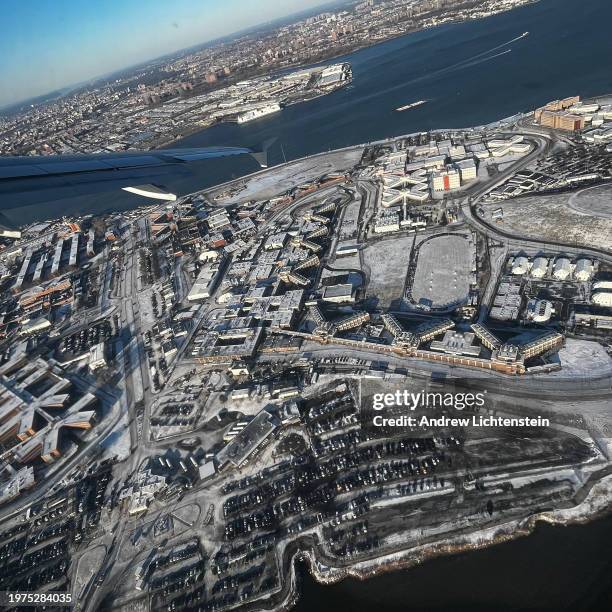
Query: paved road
469	206
599	385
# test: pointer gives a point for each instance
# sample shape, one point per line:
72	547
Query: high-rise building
561	120
467	169
446	180
555	115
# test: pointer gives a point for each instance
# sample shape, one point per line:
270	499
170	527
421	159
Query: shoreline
246	177
162	144
335	56
597	504
17	107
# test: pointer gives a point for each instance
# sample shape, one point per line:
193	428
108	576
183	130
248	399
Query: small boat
408	106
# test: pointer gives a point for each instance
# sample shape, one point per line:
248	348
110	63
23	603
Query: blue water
556	569
470	72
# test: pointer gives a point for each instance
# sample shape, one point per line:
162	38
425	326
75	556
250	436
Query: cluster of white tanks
602	293
562	268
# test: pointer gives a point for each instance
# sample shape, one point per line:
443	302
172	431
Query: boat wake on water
509	42
468	63
483	59
475	59
483	56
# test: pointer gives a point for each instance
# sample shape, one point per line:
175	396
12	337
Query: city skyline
51	46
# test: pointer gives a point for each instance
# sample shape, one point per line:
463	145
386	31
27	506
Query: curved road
468	207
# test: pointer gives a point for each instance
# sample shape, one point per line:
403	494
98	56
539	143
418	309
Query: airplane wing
35	180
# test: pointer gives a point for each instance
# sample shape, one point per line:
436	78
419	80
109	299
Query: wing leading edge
34	180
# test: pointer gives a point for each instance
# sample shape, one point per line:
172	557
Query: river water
554	569
471	73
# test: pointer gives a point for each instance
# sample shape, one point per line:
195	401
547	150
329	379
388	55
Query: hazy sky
48	44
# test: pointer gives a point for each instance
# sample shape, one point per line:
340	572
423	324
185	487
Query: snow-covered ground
582	359
276	181
555	218
117	442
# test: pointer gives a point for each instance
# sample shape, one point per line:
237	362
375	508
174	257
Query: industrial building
556	115
599	318
446	180
225	346
502	147
487	338
562	120
248	441
467	169
602	298
49	403
507	302
562	268
74	251
97	357
388	222
25	264
347	249
332	75
35	326
602	285
507	353
401	337
57	257
583	270
338	294
456	343
325	328
351	321
539	267
275	241
277	310
520	265
547	342
429	330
